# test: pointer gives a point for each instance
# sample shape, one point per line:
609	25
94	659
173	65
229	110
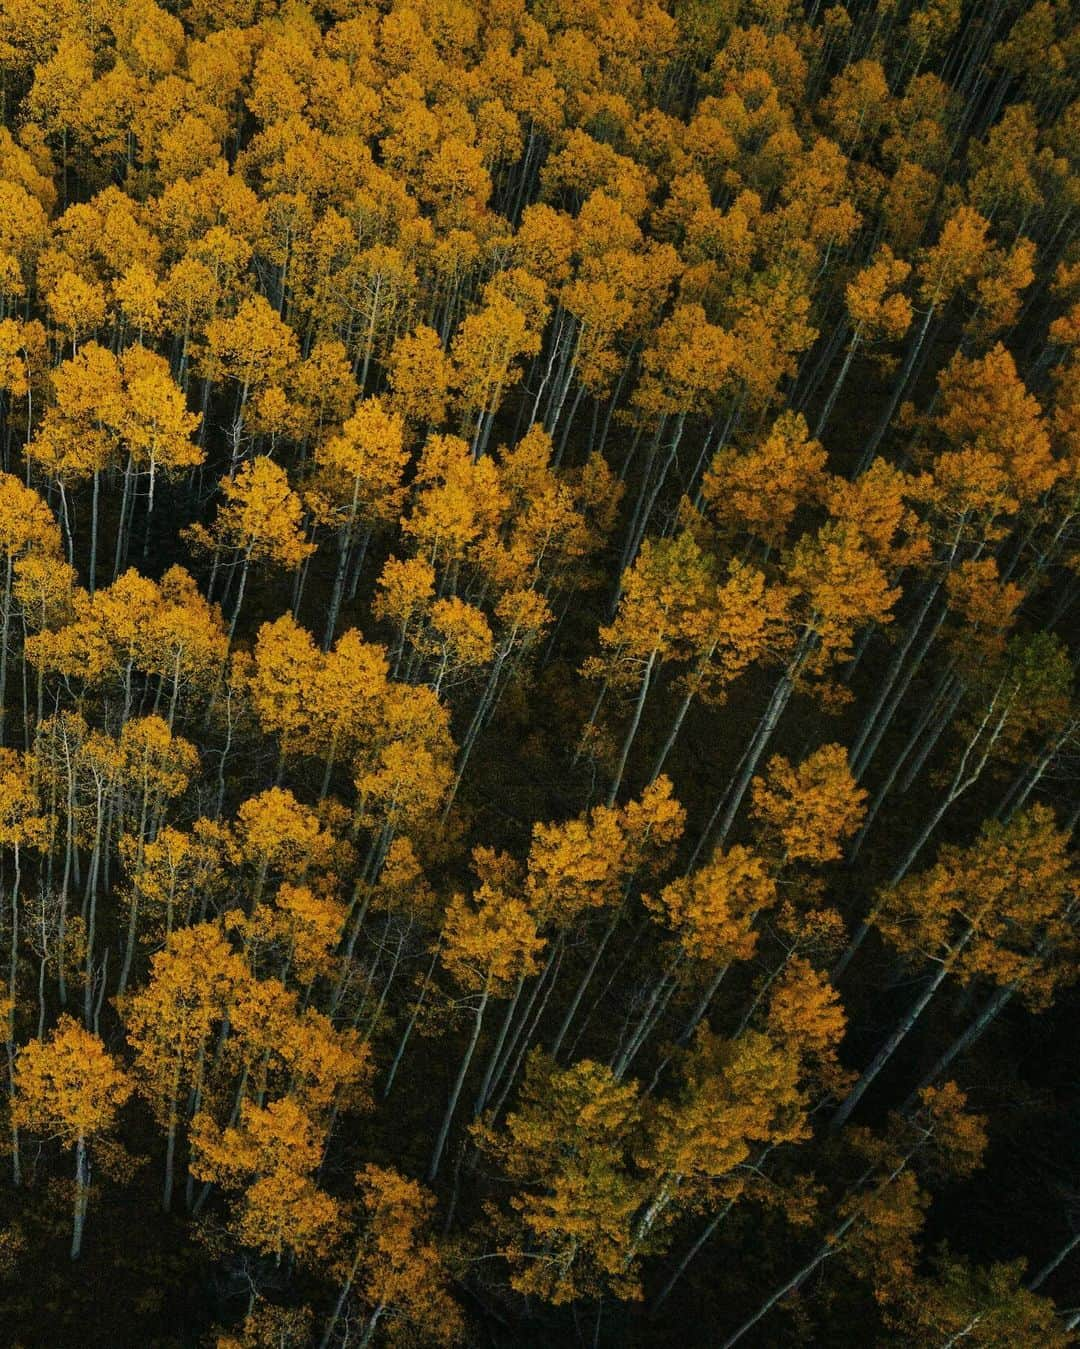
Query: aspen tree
977	912
358	485
760	491
485	350
79	436
396	1271
634	843
70	1087
660	594
27	530
169	1021
258	523
155	430
276	834
573	1203
886	1201
487	945
837	587
252	349
685	373
418	373
22	825
155	767
741	623
177	874
732	1095
877	311
957	259
23	375
980	1304
271	1156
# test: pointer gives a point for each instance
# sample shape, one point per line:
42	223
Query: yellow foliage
807	812
68	1086
712	910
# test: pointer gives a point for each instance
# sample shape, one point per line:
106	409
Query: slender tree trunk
781	696
887	708
962	780
406	1034
900	1031
372	1323
948	694
929	725
170	1141
632	730
339	1305
834	392
240	593
1060	1257
122	526
660	996
684	1264
527	1039
489	1072
647	494
898	387
829	1247
82	1182
459	1082
340	573
673	735
5	637
703	1003
557	461
860	759
579	992
65	520
94	505
129	945
963	1042
626	951
13	974
91	909
476	725
555	950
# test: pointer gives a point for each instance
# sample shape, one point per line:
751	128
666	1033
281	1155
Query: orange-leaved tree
69	1087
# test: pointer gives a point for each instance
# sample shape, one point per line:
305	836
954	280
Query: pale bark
899	1033
455	1093
82	1183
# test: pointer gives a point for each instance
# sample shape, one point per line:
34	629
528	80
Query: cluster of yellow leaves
491	941
301	925
874	301
160	628
271	1154
992	910
261	520
760	491
68	1086
567	1147
104	406
733	1093
397	1268
23	823
805	813
324	704
276	832
713	909
586	861
177	871
662	594
359	471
